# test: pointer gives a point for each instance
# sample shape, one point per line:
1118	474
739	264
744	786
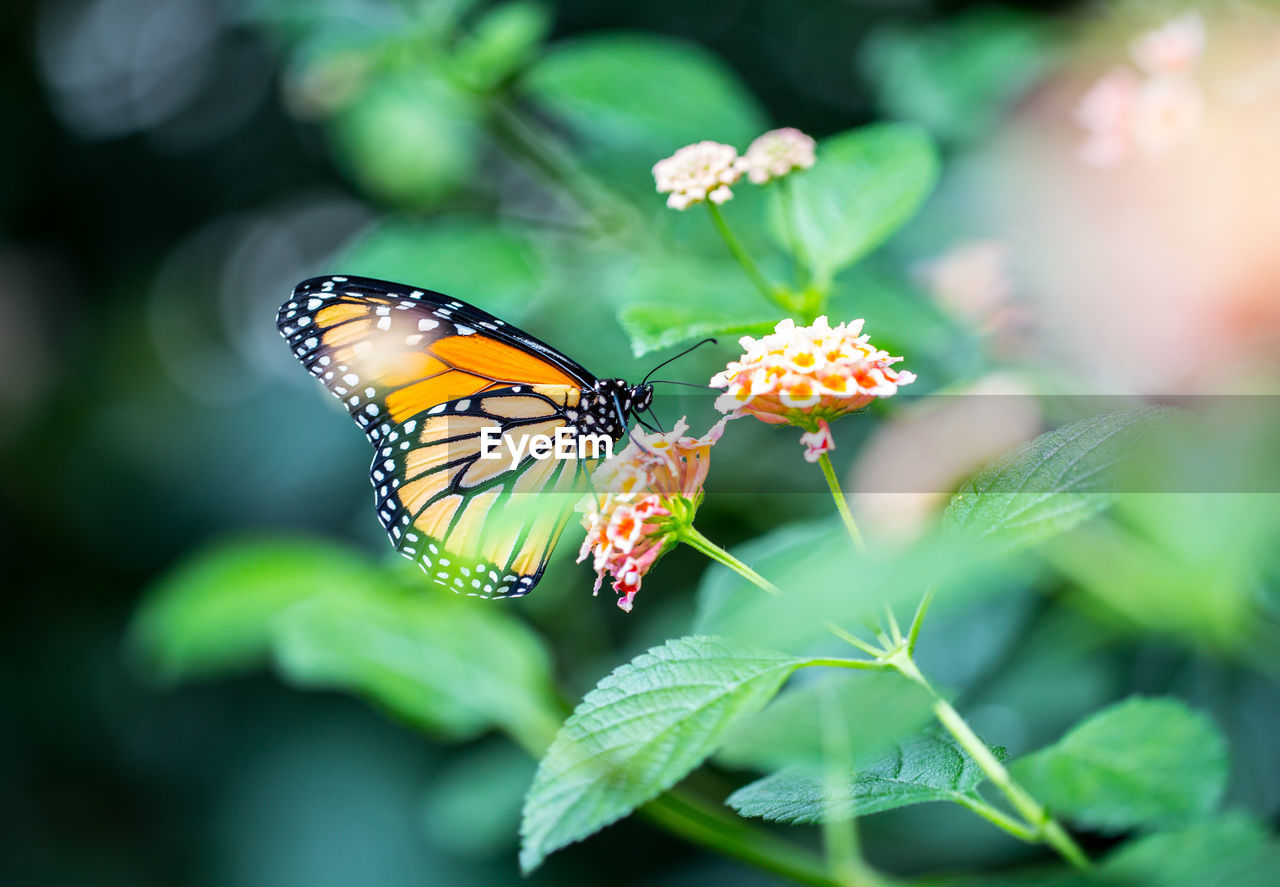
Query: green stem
691	537
1042	825
841	505
743	257
999	818
788	200
714	829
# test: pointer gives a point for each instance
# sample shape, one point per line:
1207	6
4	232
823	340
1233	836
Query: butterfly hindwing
424	375
477	525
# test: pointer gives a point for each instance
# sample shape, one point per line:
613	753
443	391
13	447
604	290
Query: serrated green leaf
212	613
639	732
495	267
1140	762
865	184
450	664
914	771
1050	484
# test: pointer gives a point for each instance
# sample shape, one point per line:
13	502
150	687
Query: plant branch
1042	825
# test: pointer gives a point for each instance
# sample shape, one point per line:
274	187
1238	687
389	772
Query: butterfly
434	382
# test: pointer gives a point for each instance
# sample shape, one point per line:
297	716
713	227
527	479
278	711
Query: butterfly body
428	377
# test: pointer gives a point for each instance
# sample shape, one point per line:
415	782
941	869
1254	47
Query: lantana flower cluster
704	170
1150	112
644	496
808	376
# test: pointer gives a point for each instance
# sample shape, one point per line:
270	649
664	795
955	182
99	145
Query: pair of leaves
1140	763
914	771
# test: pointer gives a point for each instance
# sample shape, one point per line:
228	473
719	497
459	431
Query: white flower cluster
705	170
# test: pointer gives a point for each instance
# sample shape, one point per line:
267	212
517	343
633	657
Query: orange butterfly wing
423	375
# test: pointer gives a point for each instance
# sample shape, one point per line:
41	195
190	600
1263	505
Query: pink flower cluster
705	170
1150	113
643	496
805	376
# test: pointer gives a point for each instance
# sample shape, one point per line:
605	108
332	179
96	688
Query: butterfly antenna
656	421
677	357
685	384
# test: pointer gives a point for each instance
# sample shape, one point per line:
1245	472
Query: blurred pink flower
641	499
1168	112
1173	48
698	172
776	153
1124	114
1106	111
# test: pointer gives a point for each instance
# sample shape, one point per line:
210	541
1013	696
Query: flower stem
841	505
691	537
1042	826
743	257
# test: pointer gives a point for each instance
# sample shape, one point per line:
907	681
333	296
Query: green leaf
869	710
447	663
639	732
823	580
495	267
682	298
915	771
1140	762
212	613
633	99
503	41
959	77
653	327
1050	484
865	185
1232	849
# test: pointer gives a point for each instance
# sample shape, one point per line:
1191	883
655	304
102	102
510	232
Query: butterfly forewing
424	375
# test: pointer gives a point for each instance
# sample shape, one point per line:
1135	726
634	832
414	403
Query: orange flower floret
806	376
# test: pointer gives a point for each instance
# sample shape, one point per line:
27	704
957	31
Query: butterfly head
639	398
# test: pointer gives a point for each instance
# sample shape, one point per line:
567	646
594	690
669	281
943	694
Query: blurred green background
172	167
